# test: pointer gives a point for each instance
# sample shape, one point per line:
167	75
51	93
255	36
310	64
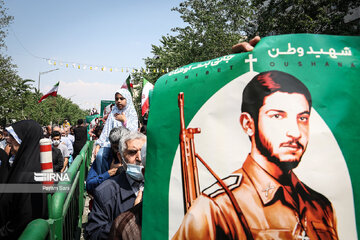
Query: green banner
323	200
104	104
89	118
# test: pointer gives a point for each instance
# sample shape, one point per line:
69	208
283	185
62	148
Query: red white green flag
147	86
128	85
52	92
280	127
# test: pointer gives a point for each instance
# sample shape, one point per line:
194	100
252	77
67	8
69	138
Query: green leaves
321	16
213	26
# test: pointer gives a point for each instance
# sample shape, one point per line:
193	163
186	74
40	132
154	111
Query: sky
115	34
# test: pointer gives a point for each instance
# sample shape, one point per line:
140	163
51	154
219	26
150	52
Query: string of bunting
93	67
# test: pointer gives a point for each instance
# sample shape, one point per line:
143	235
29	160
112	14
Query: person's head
23	133
98	129
72	130
122	98
67	130
115	136
143	129
80	121
65	120
120	101
56	128
63	132
1	134
56	137
14	142
49	129
275	115
130	146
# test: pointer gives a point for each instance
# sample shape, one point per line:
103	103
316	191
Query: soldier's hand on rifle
120	117
245	46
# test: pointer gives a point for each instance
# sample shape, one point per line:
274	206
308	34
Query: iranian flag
213	95
147	86
128	84
52	92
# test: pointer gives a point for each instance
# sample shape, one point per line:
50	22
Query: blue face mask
134	171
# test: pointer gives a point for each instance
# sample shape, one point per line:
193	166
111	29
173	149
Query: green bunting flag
258	145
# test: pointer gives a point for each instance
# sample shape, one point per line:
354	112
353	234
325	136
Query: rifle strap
235	204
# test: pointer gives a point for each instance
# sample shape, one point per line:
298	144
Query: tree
52	109
213	26
5	20
11	86
318	16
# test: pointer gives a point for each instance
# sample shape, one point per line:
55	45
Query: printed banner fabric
327	135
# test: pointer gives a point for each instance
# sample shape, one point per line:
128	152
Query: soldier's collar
265	185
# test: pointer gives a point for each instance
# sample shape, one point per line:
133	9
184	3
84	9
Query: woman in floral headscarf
122	114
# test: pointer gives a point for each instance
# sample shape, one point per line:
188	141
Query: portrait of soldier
270	201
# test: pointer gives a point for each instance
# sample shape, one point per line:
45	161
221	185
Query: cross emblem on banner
251	60
303	236
266	190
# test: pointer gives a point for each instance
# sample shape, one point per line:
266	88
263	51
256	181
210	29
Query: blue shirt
94	179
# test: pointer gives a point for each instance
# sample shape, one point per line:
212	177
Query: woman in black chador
19	209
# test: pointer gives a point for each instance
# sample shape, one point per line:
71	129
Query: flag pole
41	73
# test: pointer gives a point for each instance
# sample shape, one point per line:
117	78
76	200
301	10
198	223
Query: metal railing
65	209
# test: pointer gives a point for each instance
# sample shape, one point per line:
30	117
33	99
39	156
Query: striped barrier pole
46	158
46	166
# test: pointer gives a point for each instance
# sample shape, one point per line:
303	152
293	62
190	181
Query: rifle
190	175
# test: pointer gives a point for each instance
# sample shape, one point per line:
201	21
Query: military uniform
270	209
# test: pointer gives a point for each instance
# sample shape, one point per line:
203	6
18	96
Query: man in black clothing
80	133
57	159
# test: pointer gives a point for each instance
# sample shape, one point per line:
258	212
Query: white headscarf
111	122
129	110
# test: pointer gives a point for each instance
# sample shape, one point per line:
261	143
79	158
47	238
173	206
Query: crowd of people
114	182
116	178
20	159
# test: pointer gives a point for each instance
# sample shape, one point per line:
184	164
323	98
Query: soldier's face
283	128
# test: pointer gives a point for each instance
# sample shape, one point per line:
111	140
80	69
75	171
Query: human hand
139	197
115	165
97	148
112	171
245	46
120	117
7	149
